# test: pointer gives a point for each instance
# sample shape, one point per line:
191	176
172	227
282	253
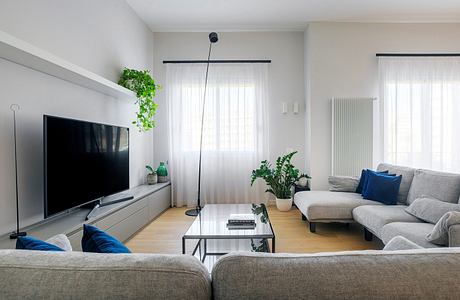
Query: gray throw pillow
400	243
438	185
440	233
430	210
343	183
61	241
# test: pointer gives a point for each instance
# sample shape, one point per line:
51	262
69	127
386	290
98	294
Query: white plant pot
284	204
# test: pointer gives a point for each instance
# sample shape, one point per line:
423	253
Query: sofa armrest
454	235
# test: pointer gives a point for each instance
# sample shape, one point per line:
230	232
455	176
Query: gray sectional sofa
385	221
406	274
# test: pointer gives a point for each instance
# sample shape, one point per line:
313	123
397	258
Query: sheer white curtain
420	107
235	136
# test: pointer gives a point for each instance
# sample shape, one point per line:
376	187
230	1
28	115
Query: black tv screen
84	161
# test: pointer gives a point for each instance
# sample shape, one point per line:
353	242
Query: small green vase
162	172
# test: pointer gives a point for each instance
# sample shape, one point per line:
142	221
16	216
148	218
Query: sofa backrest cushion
78	275
406	181
405	274
439	185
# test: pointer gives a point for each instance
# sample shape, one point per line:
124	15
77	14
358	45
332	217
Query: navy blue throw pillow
30	243
382	188
362	180
366	180
96	240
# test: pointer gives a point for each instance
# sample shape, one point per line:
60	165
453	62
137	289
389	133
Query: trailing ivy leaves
280	179
145	88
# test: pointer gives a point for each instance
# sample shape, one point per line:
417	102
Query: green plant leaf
145	88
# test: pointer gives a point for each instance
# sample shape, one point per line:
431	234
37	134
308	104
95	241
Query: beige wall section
286	80
342	63
102	36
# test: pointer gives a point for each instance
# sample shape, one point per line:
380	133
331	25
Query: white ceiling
230	15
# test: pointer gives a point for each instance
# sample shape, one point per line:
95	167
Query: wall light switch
284	109
296	107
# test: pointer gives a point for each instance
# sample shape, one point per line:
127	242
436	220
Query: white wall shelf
23	53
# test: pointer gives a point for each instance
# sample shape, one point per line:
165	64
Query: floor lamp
17	233
213	38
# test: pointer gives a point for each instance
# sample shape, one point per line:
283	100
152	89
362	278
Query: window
235	131
420	106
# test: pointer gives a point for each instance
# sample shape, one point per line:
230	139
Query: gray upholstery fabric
415	232
76	275
439	185
431	210
454	236
407	274
343	183
61	241
400	243
406	181
374	217
440	233
329	206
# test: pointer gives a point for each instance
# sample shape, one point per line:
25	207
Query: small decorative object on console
162	172
152	177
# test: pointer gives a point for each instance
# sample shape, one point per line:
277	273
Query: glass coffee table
214	239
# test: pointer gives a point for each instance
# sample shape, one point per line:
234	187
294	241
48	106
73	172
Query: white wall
342	63
286	80
102	36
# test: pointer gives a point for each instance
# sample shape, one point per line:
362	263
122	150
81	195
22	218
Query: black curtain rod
416	54
244	61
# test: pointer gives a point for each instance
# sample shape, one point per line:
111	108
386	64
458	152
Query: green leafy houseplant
150	169
145	88
279	179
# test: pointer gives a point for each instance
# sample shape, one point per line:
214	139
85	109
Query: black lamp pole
17	233
213	38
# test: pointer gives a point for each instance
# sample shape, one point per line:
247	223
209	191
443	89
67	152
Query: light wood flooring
164	234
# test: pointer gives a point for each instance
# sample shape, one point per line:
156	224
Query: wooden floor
164	235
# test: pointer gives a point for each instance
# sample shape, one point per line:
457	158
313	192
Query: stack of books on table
241	221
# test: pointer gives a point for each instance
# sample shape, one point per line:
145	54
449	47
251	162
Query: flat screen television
83	162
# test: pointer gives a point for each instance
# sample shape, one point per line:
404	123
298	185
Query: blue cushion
30	243
366	181
382	188
362	180
96	240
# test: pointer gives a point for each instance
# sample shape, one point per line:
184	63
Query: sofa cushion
430	209
363	179
415	232
374	217
329	206
440	233
400	243
343	183
382	188
80	275
96	240
407	176
61	241
405	274
438	185
30	243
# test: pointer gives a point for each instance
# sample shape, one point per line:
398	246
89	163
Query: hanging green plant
145	88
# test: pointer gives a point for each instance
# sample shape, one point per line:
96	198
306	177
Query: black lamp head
213	37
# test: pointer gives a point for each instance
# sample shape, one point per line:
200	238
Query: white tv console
121	220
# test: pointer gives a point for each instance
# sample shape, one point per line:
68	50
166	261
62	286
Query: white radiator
351	135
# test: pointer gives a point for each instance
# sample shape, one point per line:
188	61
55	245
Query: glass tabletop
212	221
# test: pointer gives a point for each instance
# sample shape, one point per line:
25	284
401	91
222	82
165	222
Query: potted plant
152	177
145	88
279	179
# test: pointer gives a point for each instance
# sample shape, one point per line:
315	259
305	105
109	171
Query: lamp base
16	234
193	212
